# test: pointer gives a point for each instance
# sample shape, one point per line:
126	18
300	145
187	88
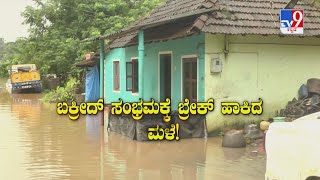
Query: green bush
65	94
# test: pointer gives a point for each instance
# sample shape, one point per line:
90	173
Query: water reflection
26	106
52	146
146	160
231	154
188	159
230	164
93	127
11	137
36	143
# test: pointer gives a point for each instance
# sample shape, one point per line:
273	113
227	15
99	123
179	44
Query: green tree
2	44
58	26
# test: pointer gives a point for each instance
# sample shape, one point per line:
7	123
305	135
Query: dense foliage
57	28
62	94
1	48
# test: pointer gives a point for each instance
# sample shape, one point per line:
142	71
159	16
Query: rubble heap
308	102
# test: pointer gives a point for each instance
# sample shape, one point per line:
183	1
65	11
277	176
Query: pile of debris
307	103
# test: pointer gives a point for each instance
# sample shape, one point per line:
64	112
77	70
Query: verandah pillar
141	63
101	75
101	67
102	56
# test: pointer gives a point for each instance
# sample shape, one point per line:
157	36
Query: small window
135	76
132	76
129	76
116	76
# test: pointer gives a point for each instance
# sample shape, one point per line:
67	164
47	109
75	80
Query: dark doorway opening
165	76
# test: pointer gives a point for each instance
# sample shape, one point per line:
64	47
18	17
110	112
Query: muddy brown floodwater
36	143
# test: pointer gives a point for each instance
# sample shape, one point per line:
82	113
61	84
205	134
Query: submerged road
36	143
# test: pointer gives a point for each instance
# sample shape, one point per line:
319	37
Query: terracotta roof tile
176	7
229	17
122	41
256	17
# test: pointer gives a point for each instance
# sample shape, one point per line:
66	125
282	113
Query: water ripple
36	143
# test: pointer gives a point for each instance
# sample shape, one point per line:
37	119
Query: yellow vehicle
24	77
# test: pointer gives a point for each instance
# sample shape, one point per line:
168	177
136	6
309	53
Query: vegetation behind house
62	94
57	28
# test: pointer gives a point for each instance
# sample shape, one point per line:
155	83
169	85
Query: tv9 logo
291	21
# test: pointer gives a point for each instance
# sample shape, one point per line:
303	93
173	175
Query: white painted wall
270	67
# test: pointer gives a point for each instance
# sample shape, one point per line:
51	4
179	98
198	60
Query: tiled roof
123	40
172	9
255	17
258	17
165	32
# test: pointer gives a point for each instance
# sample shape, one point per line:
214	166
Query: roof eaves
158	23
87	63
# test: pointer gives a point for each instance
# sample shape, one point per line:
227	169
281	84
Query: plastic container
297	142
279	119
313	85
303	92
264	125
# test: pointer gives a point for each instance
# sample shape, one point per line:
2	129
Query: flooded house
231	51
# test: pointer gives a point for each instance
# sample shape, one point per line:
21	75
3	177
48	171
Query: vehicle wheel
38	90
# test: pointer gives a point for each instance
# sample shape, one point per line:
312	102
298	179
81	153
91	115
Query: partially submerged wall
194	127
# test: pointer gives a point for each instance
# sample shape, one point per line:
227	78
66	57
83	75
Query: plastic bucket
279	119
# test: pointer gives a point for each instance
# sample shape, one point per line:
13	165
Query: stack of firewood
307	103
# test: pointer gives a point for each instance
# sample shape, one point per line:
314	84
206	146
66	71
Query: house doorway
165	76
190	79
